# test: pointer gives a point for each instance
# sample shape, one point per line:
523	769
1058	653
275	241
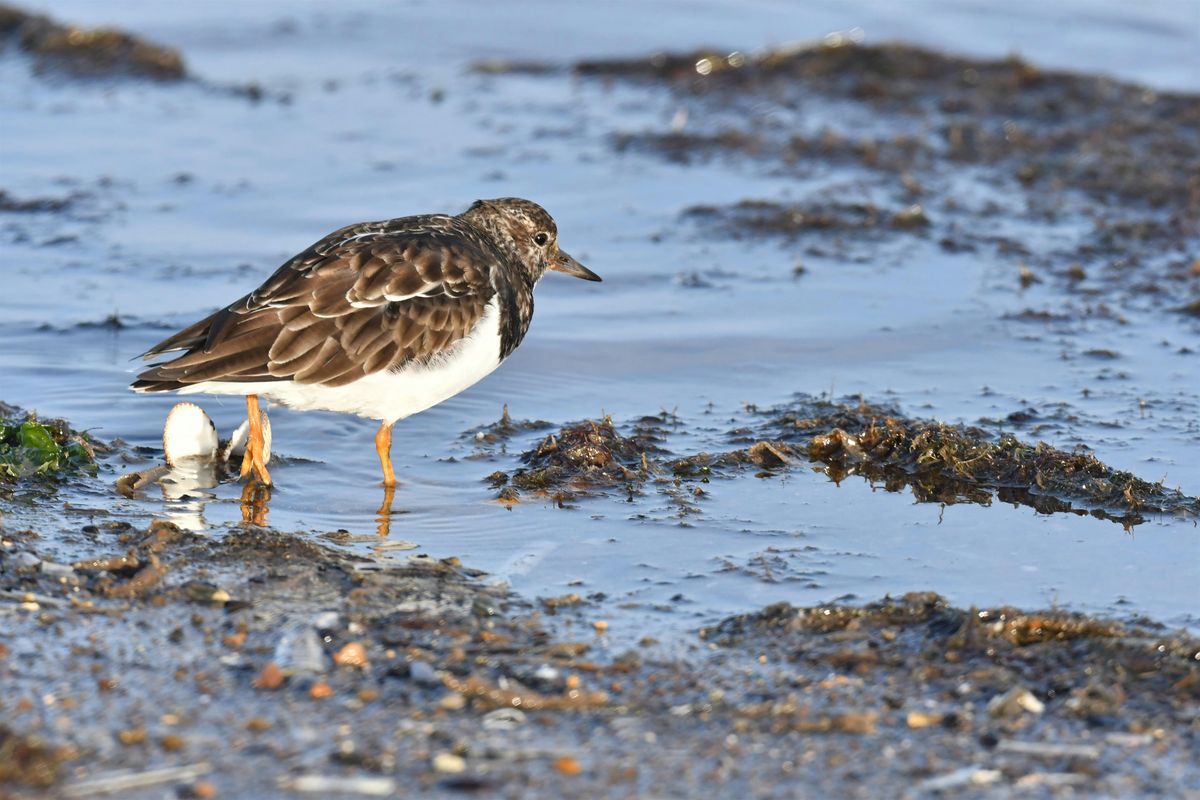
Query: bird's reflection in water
384	515
255	499
189	483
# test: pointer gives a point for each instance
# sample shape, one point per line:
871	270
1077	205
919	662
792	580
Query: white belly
387	395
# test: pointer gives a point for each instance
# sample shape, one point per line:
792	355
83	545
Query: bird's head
524	229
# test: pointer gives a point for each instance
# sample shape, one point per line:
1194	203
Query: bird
379	319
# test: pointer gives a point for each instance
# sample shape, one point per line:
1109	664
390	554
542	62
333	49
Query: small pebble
326	621
132	736
24	561
567	765
57	570
352	655
1015	702
449	763
452	702
270	678
300	650
919	719
503	719
171	742
422	673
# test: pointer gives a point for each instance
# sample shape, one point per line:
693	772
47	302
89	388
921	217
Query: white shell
237	442
189	433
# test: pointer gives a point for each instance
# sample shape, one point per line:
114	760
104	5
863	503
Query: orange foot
253	460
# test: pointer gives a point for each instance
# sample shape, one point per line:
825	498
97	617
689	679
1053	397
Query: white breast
387	395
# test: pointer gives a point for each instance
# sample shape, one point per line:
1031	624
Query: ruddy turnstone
379	319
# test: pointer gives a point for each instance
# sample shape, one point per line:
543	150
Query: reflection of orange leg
255	445
383	446
384	517
255	497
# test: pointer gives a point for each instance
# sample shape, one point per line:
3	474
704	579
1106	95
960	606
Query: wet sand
265	664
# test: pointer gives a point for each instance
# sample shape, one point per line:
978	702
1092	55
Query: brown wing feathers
337	313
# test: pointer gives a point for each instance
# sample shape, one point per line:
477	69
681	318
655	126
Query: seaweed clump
44	451
87	52
928	451
29	761
1115	156
749	218
37	205
1115	125
954	463
581	457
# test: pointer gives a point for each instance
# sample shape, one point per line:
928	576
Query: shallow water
192	196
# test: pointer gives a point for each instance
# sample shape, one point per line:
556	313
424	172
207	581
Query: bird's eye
540	239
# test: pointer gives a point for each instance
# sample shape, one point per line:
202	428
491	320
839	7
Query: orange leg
383	446
255	445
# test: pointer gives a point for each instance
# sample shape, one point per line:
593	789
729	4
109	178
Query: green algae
42	451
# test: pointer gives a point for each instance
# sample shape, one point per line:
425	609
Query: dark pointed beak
564	263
